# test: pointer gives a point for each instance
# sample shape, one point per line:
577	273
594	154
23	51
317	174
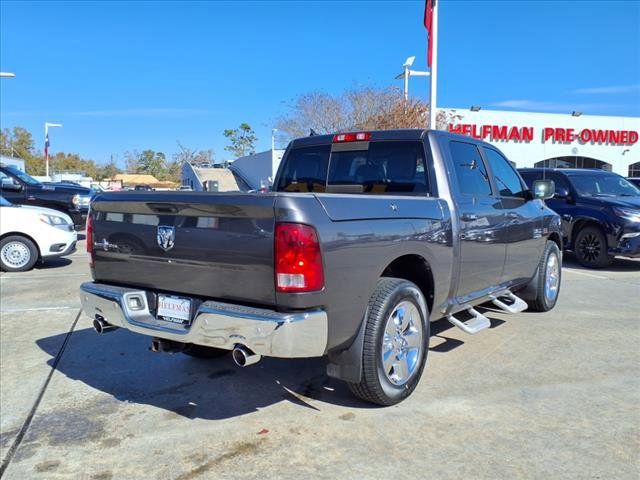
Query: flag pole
46	149
433	88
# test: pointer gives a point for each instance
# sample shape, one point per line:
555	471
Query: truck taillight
352	137
298	262
89	235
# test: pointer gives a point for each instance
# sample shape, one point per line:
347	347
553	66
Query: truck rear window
391	167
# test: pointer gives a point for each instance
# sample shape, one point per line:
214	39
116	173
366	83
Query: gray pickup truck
366	238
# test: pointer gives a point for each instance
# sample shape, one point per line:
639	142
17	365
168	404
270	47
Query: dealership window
574	162
634	170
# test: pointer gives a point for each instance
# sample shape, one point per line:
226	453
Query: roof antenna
312	132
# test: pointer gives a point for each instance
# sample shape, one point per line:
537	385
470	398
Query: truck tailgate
202	244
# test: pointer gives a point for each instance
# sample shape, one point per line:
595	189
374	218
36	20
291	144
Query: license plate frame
174	310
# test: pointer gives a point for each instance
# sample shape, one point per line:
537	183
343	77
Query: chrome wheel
552	277
590	247
402	343
15	254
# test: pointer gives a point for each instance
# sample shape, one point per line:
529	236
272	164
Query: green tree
108	170
242	140
147	162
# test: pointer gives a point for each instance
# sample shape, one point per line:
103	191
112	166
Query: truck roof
396	134
404	134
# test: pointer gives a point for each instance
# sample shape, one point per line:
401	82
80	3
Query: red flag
428	23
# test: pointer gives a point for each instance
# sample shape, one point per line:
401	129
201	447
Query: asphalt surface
553	395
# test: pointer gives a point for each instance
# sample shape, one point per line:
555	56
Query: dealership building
555	140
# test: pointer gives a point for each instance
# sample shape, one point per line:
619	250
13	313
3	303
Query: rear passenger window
470	170
305	170
506	178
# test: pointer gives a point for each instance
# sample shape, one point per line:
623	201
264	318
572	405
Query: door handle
512	215
468	217
31	197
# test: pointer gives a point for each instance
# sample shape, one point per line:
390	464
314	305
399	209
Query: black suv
600	212
22	189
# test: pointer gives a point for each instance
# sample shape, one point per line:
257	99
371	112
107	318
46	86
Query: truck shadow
121	365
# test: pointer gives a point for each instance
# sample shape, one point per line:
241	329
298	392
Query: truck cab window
305	170
470	169
507	180
390	167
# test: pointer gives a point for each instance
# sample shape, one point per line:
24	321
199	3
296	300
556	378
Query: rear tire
200	351
590	247
17	254
396	343
543	291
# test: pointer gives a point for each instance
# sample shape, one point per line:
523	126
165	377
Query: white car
29	234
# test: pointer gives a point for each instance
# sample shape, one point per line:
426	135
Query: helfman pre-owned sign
557	135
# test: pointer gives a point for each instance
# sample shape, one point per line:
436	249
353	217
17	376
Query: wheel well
21	234
555	237
579	225
415	269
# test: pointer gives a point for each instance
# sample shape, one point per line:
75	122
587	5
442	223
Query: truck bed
222	248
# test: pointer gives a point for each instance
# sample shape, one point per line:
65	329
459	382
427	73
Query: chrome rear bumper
215	324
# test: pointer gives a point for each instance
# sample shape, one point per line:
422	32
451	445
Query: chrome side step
476	324
513	304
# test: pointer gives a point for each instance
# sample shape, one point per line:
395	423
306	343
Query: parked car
22	189
143	188
366	239
185	188
29	234
635	181
600	212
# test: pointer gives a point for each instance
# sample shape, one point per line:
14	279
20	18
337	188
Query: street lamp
46	144
7	75
409	73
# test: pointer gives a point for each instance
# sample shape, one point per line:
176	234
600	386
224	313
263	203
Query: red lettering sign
507	133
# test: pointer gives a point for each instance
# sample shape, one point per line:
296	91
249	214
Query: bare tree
362	108
192	156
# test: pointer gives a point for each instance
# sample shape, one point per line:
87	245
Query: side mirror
544	189
562	193
9	185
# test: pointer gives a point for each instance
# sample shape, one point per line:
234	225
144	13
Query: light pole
7	75
409	73
46	144
273	138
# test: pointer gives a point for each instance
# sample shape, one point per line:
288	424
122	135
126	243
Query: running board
477	323
515	305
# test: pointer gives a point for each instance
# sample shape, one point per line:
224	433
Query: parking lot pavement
536	396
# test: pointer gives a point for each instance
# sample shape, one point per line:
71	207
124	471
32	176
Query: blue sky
131	75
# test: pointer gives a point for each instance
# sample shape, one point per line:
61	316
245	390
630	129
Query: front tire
17	254
590	247
396	342
543	291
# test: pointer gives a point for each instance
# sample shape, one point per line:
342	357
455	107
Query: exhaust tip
243	357
101	326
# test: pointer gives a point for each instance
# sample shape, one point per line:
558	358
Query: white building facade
555	140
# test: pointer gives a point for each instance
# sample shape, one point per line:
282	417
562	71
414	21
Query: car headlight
81	200
628	213
55	221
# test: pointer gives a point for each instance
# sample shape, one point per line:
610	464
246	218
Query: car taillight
298	262
89	234
352	137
